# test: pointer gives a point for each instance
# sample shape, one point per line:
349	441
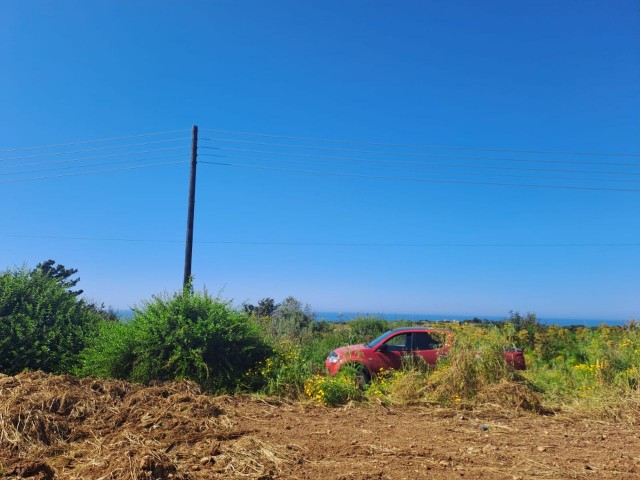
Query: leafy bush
290	319
184	336
283	373
332	391
110	354
587	364
365	329
527	328
43	325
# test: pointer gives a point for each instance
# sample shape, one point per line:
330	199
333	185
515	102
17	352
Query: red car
386	351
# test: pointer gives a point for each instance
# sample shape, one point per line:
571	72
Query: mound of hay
511	395
66	427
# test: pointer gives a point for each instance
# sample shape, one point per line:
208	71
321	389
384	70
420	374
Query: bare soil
61	427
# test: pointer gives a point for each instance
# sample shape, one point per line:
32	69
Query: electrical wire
335	244
395	162
92	165
414	154
112	147
85	142
544	177
405	145
93	157
93	173
422	180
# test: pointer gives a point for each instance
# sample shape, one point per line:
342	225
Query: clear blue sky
542	76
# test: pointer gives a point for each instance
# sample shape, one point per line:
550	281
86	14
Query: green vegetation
43	325
290	319
279	349
187	335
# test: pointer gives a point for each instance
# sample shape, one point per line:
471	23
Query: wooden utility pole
192	200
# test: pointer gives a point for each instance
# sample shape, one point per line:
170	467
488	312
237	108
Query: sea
416	317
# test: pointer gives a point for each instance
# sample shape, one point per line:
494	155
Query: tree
61	274
525	327
291	319
264	309
43	325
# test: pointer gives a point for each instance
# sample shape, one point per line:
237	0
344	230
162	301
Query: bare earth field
60	427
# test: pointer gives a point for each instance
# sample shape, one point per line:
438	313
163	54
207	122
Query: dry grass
511	395
65	427
617	406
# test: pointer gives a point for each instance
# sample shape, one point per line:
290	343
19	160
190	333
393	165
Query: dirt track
61	427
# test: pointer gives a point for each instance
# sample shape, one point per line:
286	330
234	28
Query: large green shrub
181	336
43	325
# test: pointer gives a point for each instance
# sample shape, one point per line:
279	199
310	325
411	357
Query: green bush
43	325
365	329
291	319
333	391
110	354
283	373
183	336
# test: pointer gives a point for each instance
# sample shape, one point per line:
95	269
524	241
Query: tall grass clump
476	371
405	386
187	335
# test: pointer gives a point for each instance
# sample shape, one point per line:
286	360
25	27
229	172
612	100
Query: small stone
484	427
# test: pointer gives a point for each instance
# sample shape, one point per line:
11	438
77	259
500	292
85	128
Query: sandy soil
60	427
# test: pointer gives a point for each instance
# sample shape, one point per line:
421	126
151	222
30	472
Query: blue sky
394	228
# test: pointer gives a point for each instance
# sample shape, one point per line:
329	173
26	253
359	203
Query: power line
545	177
411	154
112	147
92	173
396	162
422	180
85	142
447	245
93	157
93	165
334	244
406	145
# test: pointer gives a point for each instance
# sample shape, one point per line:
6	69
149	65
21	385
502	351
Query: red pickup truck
386	351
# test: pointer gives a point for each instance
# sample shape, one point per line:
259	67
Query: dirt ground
60	427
